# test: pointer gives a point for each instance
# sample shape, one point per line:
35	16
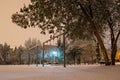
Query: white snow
71	72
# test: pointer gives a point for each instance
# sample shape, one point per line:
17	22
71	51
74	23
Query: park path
79	72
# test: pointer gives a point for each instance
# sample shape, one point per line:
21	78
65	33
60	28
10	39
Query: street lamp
54	54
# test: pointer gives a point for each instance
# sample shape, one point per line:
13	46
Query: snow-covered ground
79	72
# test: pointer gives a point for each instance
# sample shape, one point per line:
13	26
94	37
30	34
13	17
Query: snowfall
58	72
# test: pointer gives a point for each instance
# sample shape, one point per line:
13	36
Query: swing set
43	51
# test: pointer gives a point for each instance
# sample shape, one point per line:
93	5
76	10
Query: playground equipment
43	48
52	38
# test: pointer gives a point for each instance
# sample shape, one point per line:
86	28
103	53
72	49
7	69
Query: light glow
54	53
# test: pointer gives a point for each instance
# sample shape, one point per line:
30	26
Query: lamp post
52	38
64	50
37	57
43	56
54	54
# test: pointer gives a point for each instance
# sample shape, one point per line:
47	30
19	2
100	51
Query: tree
73	53
4	51
15	58
84	50
20	53
110	19
80	18
10	59
31	48
1	57
113	24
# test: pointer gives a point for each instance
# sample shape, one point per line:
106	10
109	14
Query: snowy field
79	72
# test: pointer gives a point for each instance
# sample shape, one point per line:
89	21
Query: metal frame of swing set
52	38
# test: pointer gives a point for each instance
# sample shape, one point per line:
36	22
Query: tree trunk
113	40
20	58
113	46
113	54
102	48
80	58
29	58
1	57
5	57
74	57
